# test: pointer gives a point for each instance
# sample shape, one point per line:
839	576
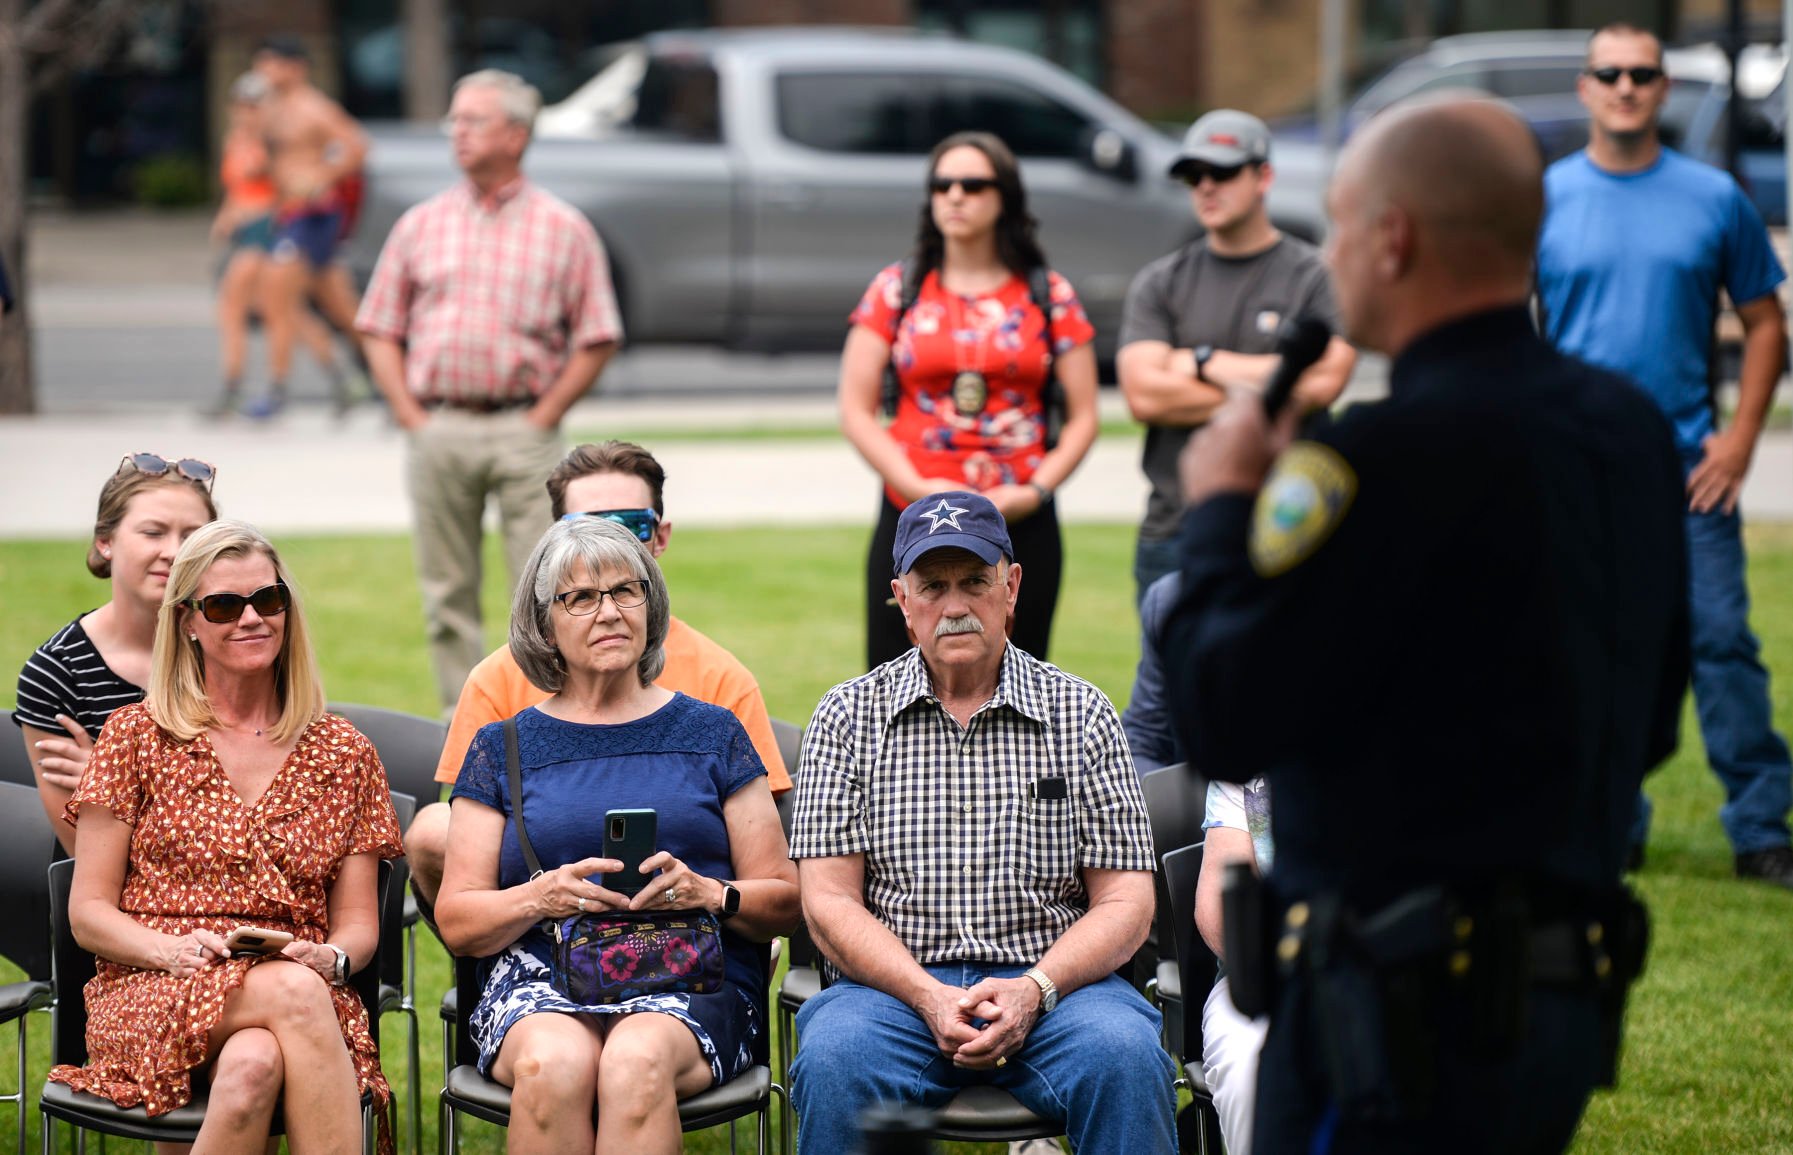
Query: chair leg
784	1100
20	1098
787	1050
414	1082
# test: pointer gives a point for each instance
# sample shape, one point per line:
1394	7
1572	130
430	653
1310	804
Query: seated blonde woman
588	623
229	798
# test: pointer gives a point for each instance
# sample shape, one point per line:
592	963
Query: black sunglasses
155	465
1192	174
971	184
1640	76
268	601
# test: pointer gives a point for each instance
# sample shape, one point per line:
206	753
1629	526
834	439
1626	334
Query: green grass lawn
1709	1058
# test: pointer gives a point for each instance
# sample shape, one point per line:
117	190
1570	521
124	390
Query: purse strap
513	766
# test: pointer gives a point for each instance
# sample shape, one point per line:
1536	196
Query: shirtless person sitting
313	145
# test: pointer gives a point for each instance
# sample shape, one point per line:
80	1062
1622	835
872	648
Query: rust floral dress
200	858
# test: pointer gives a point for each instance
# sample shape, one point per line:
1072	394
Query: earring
192	637
104	552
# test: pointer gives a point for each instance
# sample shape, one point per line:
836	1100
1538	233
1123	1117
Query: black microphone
1301	341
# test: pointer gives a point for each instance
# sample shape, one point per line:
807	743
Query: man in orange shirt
621	482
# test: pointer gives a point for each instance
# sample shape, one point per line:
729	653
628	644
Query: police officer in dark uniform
1452	629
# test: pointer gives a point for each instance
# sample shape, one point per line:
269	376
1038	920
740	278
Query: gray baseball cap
1224	137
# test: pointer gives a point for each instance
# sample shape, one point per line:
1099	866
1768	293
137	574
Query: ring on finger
1002	1060
582	904
672	896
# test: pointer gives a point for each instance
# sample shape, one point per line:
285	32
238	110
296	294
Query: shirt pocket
1045	839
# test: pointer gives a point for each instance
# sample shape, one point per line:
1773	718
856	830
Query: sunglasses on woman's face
154	465
268	601
972	185
640	522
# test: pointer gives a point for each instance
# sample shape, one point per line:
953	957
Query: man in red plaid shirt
489	314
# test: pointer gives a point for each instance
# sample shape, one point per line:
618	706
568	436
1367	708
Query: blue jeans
1730	692
1093	1064
1151	561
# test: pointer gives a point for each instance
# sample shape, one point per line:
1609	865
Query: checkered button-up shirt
967	858
490	296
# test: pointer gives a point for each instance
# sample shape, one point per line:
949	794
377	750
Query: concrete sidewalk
309	474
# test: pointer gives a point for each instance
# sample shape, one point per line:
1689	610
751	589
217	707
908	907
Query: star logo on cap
943	514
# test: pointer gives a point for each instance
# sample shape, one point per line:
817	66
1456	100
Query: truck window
865	112
1029	122
679	97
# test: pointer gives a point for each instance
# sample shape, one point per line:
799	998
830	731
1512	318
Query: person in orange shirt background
621	482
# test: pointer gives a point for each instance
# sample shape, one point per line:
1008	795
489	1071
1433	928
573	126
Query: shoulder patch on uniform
1303	501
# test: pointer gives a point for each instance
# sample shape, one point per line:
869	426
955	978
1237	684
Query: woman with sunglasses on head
229	799
973	358
100	661
526	846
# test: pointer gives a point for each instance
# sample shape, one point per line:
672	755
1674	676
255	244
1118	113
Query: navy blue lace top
683	761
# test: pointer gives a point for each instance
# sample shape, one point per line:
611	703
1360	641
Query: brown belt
477	404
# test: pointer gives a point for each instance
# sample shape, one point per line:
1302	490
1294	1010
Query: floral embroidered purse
611	956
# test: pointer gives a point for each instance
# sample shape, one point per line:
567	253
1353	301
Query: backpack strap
911	291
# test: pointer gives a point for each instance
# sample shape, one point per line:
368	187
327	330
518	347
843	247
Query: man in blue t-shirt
1637	242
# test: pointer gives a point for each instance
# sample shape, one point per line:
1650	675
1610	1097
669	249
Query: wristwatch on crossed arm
339	974
1048	989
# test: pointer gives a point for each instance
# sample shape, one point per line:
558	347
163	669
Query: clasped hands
1007	1008
568	890
187	954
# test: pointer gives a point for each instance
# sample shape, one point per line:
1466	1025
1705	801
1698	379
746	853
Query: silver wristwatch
1048	989
339	974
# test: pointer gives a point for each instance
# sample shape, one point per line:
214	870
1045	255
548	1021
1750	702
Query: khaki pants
454	462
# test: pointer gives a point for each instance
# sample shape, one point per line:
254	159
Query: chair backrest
1176	800
26	844
1196	965
409	745
15	763
801	948
790	744
74	966
392	901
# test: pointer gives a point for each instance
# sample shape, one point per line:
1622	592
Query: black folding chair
1196	968
1176	801
467	1092
392	972
73	968
15	763
410	746
26	844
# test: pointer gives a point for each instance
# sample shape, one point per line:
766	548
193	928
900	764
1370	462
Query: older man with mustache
975	864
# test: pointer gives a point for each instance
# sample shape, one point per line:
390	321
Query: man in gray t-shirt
1202	321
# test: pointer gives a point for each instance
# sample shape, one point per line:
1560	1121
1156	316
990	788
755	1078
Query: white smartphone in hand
253	940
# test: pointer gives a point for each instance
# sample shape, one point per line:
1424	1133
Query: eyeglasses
475	123
154	465
640	522
1193	174
584	603
972	185
269	601
1640	76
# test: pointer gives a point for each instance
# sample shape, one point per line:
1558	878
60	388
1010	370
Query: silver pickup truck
749	183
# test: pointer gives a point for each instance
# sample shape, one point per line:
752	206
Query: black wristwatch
1203	354
731	902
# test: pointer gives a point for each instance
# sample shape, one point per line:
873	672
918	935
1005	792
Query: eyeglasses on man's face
1640	76
640	522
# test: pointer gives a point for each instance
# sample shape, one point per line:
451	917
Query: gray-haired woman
588	623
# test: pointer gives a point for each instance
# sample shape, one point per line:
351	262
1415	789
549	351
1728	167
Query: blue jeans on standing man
1730	690
1094	1063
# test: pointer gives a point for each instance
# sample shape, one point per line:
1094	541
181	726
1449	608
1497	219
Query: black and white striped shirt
66	675
967	857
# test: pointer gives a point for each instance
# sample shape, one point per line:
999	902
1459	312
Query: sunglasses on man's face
972	185
640	522
155	465
1640	76
1220	174
268	601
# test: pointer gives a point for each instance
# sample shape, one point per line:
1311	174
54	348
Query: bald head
1468	173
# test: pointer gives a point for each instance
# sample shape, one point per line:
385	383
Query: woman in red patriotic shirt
972	357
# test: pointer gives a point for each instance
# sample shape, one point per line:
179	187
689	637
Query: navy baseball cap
956	519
